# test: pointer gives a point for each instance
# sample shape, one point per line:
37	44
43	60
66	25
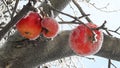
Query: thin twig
101	27
107	30
82	17
72	9
117	28
60	18
90	58
65	14
109	63
14	10
114	32
113	65
101	9
6	6
69	22
82	12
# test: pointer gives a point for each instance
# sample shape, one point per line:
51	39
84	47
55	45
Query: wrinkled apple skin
81	40
50	27
30	26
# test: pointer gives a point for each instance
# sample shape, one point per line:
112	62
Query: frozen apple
84	41
50	27
30	25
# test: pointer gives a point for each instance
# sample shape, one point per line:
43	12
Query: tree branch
82	12
35	54
111	48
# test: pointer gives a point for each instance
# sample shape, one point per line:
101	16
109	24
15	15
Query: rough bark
111	48
34	54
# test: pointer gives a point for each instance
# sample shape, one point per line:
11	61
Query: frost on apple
30	26
84	41
50	27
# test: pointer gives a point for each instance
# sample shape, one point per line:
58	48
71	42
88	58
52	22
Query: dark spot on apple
27	32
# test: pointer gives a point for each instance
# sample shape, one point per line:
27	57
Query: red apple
50	27
84	41
30	25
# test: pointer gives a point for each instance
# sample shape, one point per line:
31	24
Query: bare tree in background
15	53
